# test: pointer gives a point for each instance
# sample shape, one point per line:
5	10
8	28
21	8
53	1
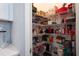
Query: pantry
54	31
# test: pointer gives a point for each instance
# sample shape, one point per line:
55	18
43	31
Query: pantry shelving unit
69	37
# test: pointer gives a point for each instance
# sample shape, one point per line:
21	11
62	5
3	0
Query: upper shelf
73	17
54	25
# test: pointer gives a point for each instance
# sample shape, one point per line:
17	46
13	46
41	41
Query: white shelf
36	24
57	34
38	34
38	44
50	34
72	17
54	25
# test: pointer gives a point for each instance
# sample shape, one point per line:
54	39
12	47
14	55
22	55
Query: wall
18	32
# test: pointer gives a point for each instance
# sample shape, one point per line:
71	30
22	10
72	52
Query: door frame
28	29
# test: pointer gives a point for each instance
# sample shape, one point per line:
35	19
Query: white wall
77	29
18	32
